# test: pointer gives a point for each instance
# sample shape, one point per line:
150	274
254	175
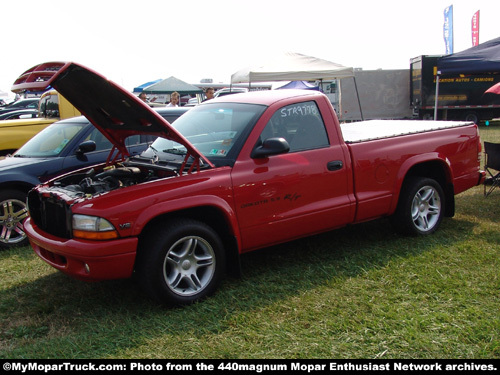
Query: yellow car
51	108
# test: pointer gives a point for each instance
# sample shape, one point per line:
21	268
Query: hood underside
116	112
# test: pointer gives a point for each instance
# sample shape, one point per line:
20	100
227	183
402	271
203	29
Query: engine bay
100	180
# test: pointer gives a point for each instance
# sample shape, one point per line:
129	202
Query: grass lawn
358	292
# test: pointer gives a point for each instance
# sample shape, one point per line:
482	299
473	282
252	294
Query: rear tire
472	116
180	262
420	208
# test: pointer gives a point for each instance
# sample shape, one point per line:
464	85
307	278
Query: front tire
180	262
420	208
13	211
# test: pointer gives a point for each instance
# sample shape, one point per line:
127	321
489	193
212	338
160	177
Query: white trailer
383	94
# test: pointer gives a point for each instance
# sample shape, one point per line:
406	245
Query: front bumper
85	260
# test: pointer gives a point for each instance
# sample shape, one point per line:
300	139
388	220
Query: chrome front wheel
13	211
189	266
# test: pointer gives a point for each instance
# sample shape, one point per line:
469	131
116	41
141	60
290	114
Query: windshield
28	103
51	140
216	130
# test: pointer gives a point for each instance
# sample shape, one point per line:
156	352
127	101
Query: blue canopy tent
303	85
481	59
144	85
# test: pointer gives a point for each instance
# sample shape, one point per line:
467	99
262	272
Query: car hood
116	112
28	121
11	162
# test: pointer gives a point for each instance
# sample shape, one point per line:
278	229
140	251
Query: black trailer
460	97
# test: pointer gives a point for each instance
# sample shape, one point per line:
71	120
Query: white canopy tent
291	66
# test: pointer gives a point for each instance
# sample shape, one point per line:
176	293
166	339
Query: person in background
143	97
209	93
174	100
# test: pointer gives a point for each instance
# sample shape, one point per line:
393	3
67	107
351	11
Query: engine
50	205
110	178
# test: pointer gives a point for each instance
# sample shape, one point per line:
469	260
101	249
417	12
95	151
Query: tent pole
357	94
437	96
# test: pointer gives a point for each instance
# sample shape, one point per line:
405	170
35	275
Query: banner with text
448	29
475	29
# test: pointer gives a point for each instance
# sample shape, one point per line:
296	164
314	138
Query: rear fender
432	165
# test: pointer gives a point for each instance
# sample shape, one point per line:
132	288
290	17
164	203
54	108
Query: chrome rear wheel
420	208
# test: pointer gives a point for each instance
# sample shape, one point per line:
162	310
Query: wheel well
21	186
439	172
215	219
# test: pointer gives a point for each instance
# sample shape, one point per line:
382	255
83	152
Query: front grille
50	214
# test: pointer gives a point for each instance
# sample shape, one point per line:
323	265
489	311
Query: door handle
335	165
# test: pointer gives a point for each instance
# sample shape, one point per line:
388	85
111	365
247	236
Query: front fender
180	205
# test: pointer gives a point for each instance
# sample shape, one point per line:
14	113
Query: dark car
61	147
31	103
19	114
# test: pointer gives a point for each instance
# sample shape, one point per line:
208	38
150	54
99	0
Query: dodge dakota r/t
234	174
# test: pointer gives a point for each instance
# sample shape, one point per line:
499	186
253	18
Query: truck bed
379	129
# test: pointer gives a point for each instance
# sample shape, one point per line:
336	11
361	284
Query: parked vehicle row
30	103
19	114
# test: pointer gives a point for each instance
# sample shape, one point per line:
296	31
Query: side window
133	140
102	143
300	124
49	106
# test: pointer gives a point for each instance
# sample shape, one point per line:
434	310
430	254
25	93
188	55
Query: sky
134	42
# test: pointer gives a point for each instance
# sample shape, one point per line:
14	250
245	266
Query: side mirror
87	146
271	146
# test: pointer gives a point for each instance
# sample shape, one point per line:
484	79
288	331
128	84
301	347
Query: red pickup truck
234	174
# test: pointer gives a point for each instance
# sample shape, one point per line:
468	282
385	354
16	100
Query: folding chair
492	166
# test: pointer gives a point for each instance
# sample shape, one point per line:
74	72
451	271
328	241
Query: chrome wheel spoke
5	236
426	208
189	265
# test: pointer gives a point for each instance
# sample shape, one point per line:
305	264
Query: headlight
93	228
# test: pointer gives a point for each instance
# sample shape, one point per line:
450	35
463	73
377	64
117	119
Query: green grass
358	292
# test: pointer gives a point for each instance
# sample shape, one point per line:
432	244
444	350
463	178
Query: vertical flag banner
448	29
475	29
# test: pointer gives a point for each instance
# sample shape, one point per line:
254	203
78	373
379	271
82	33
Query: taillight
479	146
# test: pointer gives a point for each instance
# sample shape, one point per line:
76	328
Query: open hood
117	113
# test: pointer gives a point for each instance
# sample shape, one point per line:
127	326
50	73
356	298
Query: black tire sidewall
402	219
152	253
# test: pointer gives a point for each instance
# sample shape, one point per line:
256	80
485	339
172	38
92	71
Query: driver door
301	192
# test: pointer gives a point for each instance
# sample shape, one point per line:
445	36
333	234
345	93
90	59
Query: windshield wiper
156	156
174	151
